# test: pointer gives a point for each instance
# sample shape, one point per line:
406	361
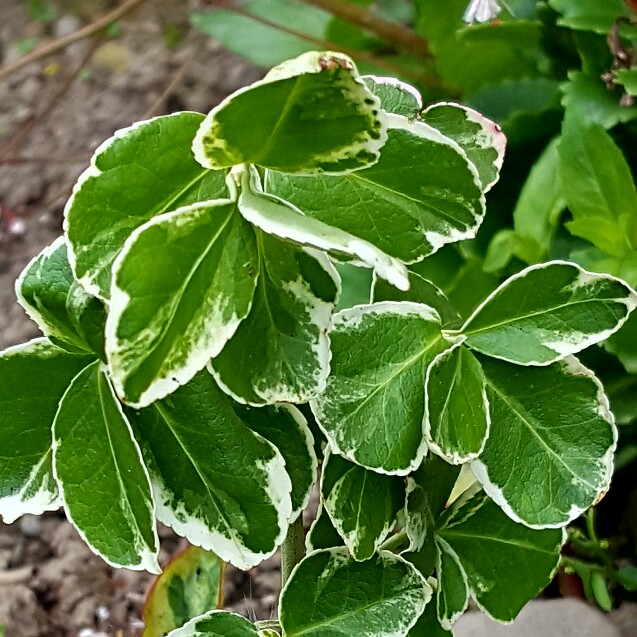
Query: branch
400	36
358	56
80	34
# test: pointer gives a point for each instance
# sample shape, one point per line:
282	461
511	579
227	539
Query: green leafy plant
558	76
189	320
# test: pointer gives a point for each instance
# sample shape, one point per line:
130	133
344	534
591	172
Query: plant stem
293	549
396	34
396	542
359	56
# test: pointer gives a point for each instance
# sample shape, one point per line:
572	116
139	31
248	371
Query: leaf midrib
554	308
526	422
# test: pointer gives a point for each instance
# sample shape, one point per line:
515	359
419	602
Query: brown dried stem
61	43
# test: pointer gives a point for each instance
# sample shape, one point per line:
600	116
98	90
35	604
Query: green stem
293	549
396	542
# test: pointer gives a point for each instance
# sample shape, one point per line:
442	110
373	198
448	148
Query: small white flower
481	11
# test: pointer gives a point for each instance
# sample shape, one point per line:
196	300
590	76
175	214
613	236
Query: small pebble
30	525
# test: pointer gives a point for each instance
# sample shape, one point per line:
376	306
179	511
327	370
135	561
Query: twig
397	34
34	121
80	34
327	44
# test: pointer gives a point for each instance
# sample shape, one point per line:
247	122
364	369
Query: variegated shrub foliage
191	305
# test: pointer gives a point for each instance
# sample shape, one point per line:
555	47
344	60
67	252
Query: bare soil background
53	114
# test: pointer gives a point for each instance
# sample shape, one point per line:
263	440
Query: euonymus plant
193	365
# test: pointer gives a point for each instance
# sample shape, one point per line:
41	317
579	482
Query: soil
53	114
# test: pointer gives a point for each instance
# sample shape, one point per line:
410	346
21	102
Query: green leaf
549	455
395	96
589	15
331	594
428	491
281	352
505	564
422	194
102	479
547	312
216	623
282	219
182	285
481	139
217	483
33	378
190	585
480	55
452	595
322	534
140	172
420	291
308	115
373	408
260	43
287	429
456	408
428	625
539	206
588	96
362	504
628	78
64	312
624	345
598	188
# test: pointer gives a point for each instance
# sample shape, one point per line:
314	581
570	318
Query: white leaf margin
87	281
425	131
210	343
320	313
230	548
454	458
481	472
253	200
565	349
308	63
492	135
148	559
351	318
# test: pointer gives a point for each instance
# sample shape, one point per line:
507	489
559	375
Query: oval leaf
547	312
549	455
481	139
216	623
456	407
182	284
309	115
373	408
362	504
281	351
140	172
190	585
329	593
452	595
505	564
102	479
287	429
58	304
33	379
216	483
395	96
422	194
